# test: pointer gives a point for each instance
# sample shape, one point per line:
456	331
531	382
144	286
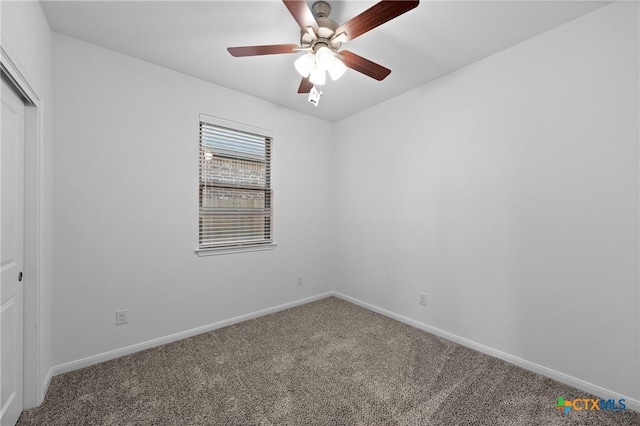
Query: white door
11	256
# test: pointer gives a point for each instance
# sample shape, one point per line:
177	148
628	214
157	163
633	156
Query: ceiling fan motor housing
326	29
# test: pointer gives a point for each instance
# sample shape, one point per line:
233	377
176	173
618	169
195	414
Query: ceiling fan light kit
337	70
324	58
304	64
317	76
321	39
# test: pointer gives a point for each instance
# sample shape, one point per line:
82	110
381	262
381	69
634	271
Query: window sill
231	250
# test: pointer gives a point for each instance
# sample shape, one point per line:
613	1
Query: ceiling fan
321	39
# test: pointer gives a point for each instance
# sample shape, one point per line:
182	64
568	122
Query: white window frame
238	247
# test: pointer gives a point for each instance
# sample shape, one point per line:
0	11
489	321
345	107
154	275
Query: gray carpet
325	363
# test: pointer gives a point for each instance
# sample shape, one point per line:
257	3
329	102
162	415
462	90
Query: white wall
508	192
26	37
126	186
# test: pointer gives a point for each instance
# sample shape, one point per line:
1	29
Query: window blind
235	187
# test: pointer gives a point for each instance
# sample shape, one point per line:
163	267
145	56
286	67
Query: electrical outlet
423	298
299	279
122	317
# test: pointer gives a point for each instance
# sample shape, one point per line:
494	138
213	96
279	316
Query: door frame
35	383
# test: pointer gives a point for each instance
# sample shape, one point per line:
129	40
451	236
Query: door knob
20	276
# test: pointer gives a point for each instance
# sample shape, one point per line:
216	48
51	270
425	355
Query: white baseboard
591	388
116	353
45	385
596	390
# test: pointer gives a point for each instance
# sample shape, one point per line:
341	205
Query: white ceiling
425	43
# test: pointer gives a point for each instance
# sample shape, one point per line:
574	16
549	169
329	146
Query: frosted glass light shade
337	69
318	76
324	58
304	64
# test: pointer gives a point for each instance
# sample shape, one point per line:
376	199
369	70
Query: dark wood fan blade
272	49
364	66
305	86
376	15
302	14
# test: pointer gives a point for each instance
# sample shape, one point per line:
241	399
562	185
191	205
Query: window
236	199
